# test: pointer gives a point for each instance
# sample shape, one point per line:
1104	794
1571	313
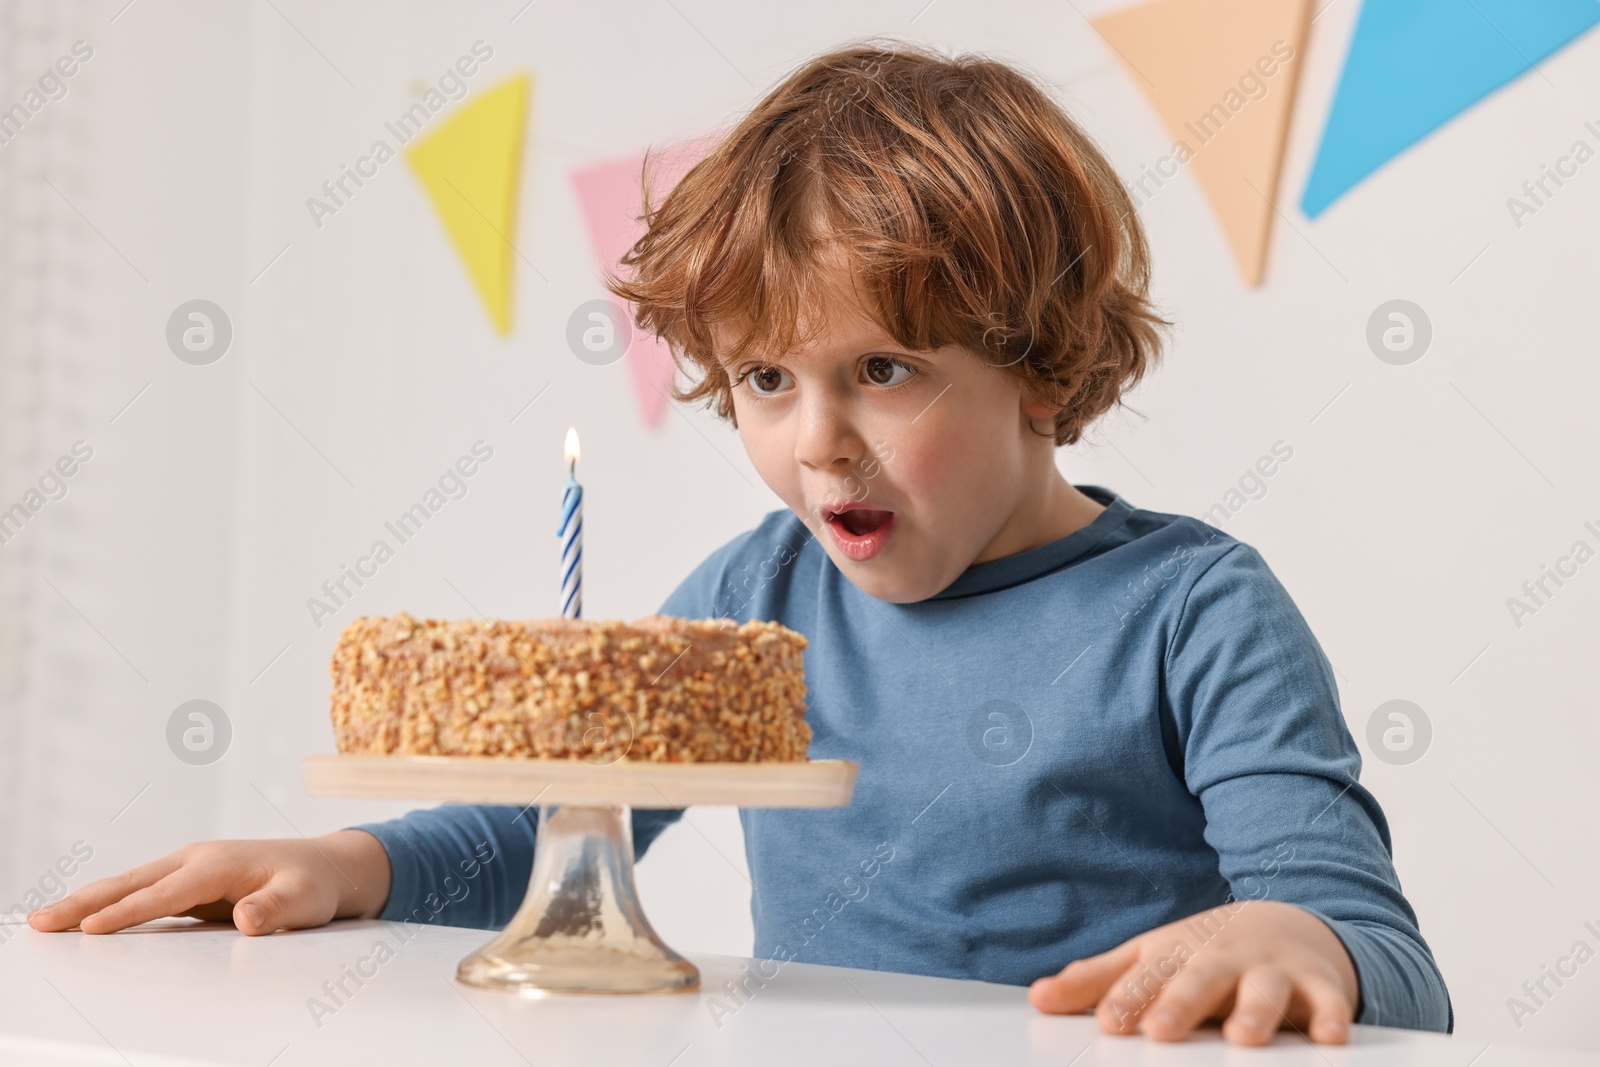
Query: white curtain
56	687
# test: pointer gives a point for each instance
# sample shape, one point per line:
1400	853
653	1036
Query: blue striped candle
571	534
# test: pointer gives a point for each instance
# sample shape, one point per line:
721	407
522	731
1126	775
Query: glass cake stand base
580	928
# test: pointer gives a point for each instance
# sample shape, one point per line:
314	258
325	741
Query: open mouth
861	521
861	533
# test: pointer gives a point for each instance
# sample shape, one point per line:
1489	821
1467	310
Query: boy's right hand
260	886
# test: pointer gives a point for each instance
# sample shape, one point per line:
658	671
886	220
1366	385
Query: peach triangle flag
612	201
469	166
1222	76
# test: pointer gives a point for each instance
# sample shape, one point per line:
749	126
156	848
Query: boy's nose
827	439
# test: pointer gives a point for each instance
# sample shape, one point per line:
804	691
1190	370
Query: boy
1091	737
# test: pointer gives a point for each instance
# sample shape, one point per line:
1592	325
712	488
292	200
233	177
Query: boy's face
928	453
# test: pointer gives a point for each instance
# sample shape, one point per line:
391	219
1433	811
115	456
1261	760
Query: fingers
173	895
70	910
1331	1011
1196	993
1273	965
282	904
1167	1004
1118	1012
1262	1004
1081	985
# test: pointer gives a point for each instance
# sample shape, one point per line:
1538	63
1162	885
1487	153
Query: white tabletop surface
178	992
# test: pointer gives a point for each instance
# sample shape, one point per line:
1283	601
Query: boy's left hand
1256	964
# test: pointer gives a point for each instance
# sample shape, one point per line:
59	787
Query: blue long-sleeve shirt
1061	750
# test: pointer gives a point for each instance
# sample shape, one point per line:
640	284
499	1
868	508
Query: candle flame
571	449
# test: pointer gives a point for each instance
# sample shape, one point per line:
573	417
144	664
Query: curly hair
970	208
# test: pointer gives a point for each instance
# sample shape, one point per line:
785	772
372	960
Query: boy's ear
1035	408
1048	405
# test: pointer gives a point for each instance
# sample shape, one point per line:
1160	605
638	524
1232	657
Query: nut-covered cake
659	688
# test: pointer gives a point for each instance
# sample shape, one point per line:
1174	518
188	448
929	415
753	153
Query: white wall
1415	504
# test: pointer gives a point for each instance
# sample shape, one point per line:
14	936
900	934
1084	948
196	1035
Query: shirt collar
1032	563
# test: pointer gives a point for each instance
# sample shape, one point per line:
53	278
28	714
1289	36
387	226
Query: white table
176	993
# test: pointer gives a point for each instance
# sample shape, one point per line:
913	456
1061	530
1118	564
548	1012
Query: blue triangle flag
1415	64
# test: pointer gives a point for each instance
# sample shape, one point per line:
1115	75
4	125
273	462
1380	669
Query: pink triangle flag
610	194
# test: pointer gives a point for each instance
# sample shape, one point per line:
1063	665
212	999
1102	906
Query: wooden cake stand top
827	783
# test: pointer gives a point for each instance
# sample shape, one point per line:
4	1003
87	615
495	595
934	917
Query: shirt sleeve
1265	748
469	864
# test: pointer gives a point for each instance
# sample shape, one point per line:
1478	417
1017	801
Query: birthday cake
660	688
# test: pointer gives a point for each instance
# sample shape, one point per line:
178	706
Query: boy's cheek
930	480
775	462
936	450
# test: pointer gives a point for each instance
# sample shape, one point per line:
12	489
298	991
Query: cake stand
580	928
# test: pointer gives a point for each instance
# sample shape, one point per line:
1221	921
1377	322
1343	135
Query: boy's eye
883	370
765	380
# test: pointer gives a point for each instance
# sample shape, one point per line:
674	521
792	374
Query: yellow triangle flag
469	166
1222	76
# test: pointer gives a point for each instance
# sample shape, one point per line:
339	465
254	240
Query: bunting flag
1222	75
1415	64
612	200
469	165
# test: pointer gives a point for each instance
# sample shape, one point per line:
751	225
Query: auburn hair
970	208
